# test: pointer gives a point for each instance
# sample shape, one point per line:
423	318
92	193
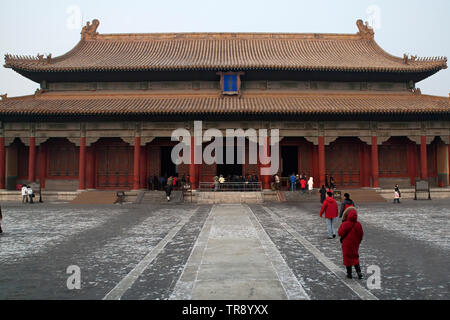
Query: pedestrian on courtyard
24	194
216	183
277	182
323	194
150	183
397	194
162	182
330	208
310	185
327	185
332	186
292	181
30	194
351	233
169	187
345	204
1	218
155	183
303	184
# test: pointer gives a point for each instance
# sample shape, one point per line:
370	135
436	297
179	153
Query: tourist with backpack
330	208
345	204
293	182
351	233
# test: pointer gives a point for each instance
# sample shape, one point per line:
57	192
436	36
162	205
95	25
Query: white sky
28	27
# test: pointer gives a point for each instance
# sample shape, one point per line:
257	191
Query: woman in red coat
351	233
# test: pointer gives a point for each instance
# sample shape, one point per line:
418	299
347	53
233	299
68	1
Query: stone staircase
96	197
229	197
298	196
160	197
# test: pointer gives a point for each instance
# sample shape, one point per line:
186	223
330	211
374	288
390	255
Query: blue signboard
230	83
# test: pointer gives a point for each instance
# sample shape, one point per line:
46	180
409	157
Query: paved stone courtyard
233	251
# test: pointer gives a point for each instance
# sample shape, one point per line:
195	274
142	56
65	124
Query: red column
143	168
137	152
90	168
192	166
2	163
32	160
423	158
322	160
82	165
375	172
42	164
265	179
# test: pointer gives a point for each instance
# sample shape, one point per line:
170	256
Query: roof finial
4	96
365	31
90	30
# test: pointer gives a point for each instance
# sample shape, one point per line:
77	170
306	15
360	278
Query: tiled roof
227	51
118	104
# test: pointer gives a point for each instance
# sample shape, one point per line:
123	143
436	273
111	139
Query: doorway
168	168
289	160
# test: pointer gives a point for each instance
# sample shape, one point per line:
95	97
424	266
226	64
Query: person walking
310	185
216	183
351	233
1	218
169	187
332	186
345	204
24	194
303	185
323	194
30	194
397	194
330	208
277	182
292	181
326	182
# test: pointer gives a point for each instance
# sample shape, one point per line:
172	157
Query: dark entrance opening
289	160
229	170
168	168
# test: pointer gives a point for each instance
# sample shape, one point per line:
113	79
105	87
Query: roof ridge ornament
89	31
365	31
4	96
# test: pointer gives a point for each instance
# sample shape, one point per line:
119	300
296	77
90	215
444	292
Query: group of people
160	183
350	231
301	182
27	194
246	181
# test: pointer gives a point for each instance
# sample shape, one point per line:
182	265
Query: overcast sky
415	27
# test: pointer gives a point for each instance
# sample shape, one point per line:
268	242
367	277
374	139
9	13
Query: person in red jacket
351	233
330	208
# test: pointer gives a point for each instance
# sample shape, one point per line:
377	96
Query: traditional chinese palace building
105	111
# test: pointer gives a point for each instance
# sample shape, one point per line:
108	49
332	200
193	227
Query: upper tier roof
226	51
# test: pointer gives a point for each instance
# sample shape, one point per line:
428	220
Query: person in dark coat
332	186
326	182
1	218
345	204
351	233
169	187
330	208
323	194
150	183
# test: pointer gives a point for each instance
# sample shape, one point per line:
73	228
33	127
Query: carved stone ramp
96	197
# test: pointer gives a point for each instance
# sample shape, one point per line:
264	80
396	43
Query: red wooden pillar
411	157
322	160
423	158
375	171
265	179
32	160
41	160
82	165
143	168
2	163
90	168
137	152
192	166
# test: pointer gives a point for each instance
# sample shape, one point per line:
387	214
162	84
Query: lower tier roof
255	104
